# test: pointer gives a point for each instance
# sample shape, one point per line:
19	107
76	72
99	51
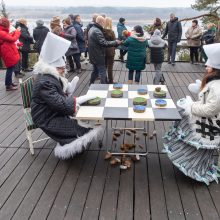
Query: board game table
122	108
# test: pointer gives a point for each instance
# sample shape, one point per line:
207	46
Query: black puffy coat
39	34
80	37
174	31
97	45
25	38
51	110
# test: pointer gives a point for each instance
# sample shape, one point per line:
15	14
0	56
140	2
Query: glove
82	99
72	85
195	87
185	104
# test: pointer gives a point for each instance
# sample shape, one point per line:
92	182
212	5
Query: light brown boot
130	82
137	83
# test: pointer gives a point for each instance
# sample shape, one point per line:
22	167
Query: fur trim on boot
69	150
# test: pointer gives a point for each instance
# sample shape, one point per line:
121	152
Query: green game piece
95	101
139	101
161	94
117	93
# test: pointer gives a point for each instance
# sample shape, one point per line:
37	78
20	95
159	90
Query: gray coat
174	31
70	34
97	45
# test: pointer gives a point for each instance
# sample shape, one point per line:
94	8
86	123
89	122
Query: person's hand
118	42
18	28
185	104
72	85
82	99
195	87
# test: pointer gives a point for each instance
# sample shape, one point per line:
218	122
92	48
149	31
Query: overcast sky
130	3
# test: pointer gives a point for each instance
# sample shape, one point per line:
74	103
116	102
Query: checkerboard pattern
122	108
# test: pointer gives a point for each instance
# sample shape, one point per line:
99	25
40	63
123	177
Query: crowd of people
190	143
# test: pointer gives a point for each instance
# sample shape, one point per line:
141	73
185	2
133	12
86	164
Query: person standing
97	44
193	36
79	37
136	45
157	25
73	52
27	40
174	32
9	51
110	51
157	46
120	28
39	35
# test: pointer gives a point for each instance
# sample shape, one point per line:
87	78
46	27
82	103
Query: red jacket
8	49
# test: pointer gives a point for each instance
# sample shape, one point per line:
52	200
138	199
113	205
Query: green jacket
136	52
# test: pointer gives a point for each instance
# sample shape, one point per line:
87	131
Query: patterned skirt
191	155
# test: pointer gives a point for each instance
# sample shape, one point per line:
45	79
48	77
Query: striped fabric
26	94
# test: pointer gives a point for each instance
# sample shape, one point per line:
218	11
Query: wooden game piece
161	103
142	91
139	108
116	94
117	86
139	101
158	89
108	156
95	101
158	93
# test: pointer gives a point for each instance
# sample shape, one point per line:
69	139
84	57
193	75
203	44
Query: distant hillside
135	14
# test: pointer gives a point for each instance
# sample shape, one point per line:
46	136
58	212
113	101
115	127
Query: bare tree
3	9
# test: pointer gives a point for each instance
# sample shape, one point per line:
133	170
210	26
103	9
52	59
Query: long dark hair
215	74
138	29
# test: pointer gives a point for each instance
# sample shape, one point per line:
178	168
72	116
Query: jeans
109	62
137	75
98	70
158	75
8	75
24	60
17	67
172	51
194	53
76	58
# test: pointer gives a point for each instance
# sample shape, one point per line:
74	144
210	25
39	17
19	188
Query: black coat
156	55
39	35
174	31
80	37
25	38
51	110
97	45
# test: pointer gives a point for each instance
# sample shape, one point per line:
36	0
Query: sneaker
173	64
11	88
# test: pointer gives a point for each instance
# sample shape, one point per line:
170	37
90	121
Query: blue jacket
120	28
80	37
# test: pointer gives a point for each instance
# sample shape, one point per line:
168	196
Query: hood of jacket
137	37
98	26
156	38
42	67
120	24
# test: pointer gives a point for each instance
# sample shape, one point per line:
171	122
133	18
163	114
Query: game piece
116	94
139	101
95	101
117	86
160	103
158	93
139	108
142	91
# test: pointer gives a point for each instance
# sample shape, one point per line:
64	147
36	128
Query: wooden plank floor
87	187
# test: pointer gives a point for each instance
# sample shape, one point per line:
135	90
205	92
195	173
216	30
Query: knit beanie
4	22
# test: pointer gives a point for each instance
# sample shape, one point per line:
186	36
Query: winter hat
53	49
40	23
4	22
121	20
156	37
213	52
22	21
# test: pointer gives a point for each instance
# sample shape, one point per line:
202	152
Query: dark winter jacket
208	37
51	108
25	38
80	37
174	31
136	52
156	45
8	50
70	34
109	36
97	45
39	35
88	27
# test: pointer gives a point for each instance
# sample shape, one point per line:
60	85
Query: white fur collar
44	68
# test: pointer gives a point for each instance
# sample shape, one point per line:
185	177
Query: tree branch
201	16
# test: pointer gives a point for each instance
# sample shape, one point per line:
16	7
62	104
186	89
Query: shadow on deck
87	187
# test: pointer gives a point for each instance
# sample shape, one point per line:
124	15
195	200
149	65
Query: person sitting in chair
53	104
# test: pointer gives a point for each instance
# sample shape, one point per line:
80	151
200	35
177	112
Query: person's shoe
169	62
19	75
162	82
11	88
173	64
70	71
14	84
130	82
191	62
79	71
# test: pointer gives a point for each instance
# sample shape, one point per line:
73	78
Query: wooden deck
87	187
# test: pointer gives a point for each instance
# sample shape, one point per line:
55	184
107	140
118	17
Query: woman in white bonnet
53	102
191	143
